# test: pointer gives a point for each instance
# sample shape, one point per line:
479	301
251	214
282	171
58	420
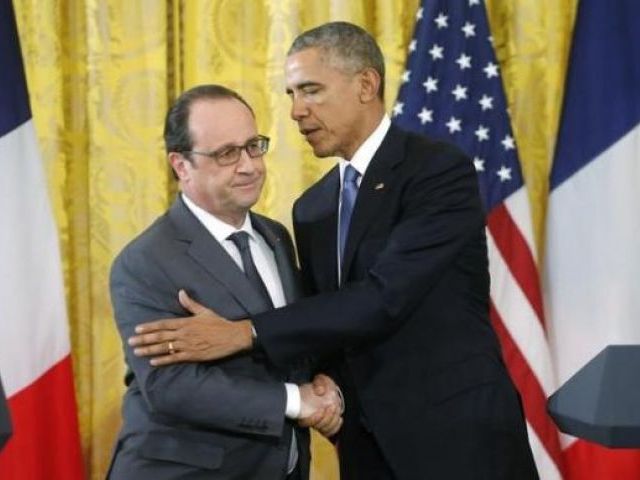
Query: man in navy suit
233	418
394	259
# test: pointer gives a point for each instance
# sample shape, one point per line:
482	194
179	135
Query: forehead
312	65
220	120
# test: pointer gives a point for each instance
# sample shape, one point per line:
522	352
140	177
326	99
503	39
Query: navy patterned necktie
241	240
347	201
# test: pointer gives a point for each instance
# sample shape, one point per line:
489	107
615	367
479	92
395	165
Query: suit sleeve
207	395
439	214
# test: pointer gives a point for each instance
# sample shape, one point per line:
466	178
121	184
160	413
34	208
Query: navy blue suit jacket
409	330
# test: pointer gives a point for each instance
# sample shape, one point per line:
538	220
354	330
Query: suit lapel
286	269
204	249
323	235
377	180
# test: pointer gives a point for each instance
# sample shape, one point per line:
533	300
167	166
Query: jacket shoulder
437	151
150	240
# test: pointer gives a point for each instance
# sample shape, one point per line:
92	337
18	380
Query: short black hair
176	126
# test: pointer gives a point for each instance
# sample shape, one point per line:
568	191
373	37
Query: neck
369	124
235	221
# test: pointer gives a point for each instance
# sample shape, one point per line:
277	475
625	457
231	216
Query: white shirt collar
362	158
219	229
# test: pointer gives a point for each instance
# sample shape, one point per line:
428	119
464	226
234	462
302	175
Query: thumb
189	303
319	384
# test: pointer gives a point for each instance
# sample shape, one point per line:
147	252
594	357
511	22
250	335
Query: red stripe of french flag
45	439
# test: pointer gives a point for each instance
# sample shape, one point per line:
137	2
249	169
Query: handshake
321	406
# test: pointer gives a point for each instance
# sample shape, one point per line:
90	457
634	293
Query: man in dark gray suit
234	418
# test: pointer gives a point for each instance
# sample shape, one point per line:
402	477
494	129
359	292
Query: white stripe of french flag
35	361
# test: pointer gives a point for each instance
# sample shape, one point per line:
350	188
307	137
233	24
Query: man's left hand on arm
201	337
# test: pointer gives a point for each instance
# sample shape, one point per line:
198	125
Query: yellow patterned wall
101	74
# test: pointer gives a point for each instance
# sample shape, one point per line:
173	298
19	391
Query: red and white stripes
517	315
35	363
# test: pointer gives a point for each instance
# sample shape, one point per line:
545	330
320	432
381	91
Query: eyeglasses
229	155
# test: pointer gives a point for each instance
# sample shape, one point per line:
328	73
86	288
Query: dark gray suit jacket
214	420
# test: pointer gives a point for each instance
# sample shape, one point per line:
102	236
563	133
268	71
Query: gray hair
351	45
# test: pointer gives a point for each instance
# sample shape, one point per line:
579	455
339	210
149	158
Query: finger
312	419
162	336
334	428
169	359
164	324
190	304
320	384
329	413
152	350
329	424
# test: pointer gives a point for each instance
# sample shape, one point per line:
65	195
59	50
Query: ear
369	85
179	165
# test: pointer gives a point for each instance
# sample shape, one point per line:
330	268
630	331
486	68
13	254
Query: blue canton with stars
451	90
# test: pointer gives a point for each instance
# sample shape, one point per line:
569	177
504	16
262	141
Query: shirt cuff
292	410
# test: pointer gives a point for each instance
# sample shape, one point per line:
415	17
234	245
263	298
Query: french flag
35	361
592	265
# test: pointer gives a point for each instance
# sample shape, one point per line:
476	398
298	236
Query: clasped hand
321	406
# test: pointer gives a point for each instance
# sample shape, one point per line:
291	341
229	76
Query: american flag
452	90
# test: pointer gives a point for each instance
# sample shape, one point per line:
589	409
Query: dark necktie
347	201
241	240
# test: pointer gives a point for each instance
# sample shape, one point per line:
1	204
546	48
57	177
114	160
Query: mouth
309	132
248	185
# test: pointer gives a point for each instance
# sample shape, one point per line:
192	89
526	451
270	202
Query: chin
323	152
249	200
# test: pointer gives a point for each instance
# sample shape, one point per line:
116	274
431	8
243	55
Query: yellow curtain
532	40
101	75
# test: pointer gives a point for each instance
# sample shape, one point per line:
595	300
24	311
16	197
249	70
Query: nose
246	164
299	109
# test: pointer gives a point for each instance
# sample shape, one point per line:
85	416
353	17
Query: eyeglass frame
216	154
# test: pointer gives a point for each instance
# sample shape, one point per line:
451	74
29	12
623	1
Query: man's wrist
246	337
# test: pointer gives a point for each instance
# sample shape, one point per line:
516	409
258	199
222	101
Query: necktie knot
240	239
351	176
